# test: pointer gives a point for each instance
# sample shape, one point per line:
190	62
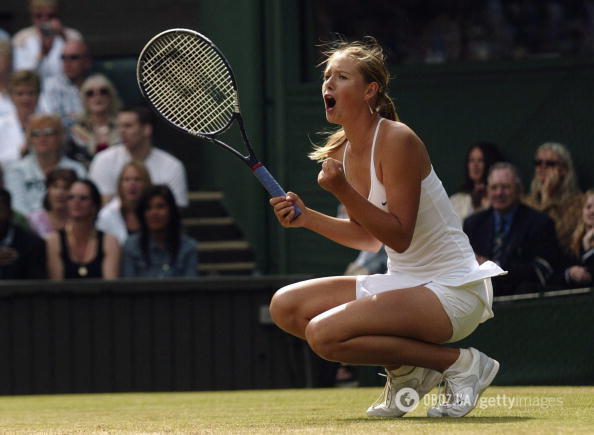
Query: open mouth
330	101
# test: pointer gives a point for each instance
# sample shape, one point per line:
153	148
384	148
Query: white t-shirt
163	168
111	221
26	46
12	138
6	104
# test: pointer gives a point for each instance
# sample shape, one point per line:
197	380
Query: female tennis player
434	292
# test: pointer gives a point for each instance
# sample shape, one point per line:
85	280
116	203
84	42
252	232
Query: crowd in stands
544	237
87	194
84	193
437	31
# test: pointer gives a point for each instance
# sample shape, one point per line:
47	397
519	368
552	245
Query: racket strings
188	82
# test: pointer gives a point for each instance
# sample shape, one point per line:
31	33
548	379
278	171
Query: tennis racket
188	82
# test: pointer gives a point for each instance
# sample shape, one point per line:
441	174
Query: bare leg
389	329
293	306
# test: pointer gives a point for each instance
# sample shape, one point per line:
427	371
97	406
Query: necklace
82	267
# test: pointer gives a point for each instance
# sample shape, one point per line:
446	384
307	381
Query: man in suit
519	238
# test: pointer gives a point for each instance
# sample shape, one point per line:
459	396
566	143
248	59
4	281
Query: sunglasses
37	132
79	197
547	163
93	92
73	56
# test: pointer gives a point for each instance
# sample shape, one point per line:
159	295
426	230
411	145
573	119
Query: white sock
462	363
402	370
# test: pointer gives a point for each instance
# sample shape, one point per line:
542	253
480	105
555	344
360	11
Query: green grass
542	410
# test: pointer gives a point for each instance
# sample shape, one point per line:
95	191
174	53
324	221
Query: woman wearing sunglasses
25	179
80	250
554	190
96	129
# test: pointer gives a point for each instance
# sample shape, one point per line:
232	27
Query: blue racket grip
271	185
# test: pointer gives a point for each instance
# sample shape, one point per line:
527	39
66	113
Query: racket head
188	81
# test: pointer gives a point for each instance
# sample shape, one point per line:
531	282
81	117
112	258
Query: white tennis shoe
463	389
389	404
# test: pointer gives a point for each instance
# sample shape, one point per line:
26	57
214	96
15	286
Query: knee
322	340
283	307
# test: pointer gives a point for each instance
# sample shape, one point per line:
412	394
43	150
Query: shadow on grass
445	420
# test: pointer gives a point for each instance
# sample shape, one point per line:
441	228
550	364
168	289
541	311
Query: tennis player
434	292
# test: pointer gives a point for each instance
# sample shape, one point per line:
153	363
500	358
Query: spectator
472	195
579	266
40	46
136	125
25	179
517	237
96	129
4	36
554	190
61	93
119	216
6	105
79	250
160	250
23	88
22	253
53	215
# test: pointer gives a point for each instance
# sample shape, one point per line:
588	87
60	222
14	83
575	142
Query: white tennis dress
439	252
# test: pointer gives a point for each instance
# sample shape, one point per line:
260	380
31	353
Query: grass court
339	410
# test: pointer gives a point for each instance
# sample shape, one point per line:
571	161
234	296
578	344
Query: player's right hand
285	212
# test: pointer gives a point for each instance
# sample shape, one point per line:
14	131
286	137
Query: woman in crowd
472	195
79	250
119	217
96	129
25	179
23	88
579	268
160	249
554	190
53	215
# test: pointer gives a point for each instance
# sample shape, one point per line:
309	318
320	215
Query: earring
370	109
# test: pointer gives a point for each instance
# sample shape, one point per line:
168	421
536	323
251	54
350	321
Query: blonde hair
115	102
371	61
24	77
580	229
41	3
144	175
569	186
52	121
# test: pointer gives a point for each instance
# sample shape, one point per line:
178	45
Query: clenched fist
332	177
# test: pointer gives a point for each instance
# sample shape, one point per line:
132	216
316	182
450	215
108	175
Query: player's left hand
331	177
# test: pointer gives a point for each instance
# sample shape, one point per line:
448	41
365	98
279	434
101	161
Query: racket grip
270	184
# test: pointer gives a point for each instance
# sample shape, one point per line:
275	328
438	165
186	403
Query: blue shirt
507	220
161	266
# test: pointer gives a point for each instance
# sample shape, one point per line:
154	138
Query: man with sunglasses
39	47
61	93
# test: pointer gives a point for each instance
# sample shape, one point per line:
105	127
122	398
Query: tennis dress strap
372	149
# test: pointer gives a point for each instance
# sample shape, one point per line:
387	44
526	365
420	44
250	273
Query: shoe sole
371	412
